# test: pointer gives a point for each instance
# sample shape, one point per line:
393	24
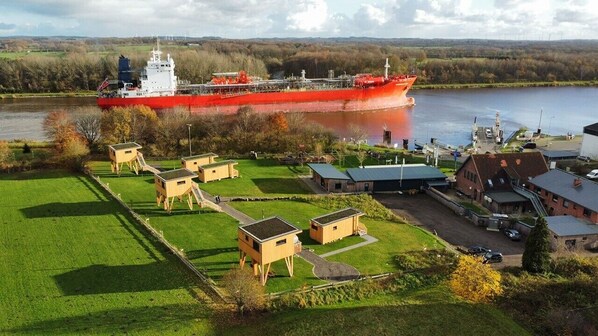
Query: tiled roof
560	183
336	216
394	173
564	226
176	174
269	228
194	157
327	171
126	145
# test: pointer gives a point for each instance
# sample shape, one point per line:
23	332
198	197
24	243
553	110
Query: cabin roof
337	216
126	145
177	174
218	164
269	228
199	156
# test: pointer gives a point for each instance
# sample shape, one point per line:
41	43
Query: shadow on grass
197	254
164	319
102	279
59	209
280	186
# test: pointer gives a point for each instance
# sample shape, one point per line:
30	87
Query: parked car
583	158
513	234
593	174
477	250
492	257
529	145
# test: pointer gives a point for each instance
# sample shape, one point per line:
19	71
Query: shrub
475	281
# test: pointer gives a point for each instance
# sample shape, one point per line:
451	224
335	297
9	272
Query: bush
475	281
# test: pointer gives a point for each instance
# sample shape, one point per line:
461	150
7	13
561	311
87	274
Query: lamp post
189	127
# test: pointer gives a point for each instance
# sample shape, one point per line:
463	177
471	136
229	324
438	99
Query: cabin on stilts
124	153
173	184
266	241
194	162
336	225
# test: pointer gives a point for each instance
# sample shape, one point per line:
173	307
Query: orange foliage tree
475	281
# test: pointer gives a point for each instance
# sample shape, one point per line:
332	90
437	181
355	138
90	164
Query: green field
72	262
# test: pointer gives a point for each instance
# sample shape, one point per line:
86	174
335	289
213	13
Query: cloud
308	16
7	26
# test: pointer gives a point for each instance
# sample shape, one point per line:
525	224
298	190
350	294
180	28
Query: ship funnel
386	66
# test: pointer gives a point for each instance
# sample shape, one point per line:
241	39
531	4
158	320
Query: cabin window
256	246
195	163
128	152
281	242
214	171
163	185
246	238
334	228
315	227
181	182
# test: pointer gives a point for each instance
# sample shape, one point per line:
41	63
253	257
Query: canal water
443	114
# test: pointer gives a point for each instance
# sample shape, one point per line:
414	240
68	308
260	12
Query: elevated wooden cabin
124	153
175	184
336	225
194	162
267	241
217	171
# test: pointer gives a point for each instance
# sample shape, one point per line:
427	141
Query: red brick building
493	179
564	193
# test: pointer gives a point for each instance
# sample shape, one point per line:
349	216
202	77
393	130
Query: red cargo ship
159	88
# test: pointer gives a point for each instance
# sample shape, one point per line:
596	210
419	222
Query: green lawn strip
429	311
73	262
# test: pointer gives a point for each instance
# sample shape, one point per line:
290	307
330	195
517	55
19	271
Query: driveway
424	211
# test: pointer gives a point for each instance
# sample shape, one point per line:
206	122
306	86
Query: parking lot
424	211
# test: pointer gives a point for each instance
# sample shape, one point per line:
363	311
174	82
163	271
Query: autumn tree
536	256
131	123
171	129
357	134
70	147
7	157
88	124
245	289
116	125
361	156
475	281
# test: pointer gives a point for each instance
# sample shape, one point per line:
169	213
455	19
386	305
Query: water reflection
397	121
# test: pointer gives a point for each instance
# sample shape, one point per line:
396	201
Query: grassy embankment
73	262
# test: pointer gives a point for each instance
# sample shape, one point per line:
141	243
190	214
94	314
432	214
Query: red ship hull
391	94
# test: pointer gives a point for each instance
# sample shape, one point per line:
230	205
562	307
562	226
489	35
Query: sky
481	19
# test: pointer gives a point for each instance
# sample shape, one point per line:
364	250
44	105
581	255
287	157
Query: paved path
331	271
234	213
368	240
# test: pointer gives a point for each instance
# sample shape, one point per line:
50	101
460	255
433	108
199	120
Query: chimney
576	182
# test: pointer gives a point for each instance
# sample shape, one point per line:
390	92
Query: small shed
572	233
176	183
336	225
217	171
124	153
194	162
266	241
329	178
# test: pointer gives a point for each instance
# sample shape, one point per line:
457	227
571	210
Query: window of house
246	238
555	198
128	152
338	186
281	242
565	203
539	191
490	183
256	246
163	185
587	212
502	180
334	228
181	182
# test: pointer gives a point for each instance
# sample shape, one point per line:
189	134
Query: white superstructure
157	79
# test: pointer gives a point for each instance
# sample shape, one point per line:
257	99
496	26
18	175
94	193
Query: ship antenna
386	66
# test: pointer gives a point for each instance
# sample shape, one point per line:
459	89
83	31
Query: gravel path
331	271
368	240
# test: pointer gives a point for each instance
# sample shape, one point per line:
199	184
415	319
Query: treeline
83	63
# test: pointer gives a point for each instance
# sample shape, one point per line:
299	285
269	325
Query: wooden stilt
289	262
256	268
242	258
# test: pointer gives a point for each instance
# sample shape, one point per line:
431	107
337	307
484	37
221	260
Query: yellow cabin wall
123	155
193	165
217	173
326	234
269	252
171	188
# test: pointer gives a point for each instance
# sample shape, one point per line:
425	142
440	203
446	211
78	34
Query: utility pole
189	127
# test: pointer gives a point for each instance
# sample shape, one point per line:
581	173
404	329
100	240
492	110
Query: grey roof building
572	233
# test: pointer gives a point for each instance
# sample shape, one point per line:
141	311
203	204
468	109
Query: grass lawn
431	311
370	259
73	262
209	239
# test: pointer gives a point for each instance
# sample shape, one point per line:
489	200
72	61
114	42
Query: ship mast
386	66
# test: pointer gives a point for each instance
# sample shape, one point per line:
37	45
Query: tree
88	124
361	156
116	125
7	157
475	281
357	134
245	289
60	129
536	256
